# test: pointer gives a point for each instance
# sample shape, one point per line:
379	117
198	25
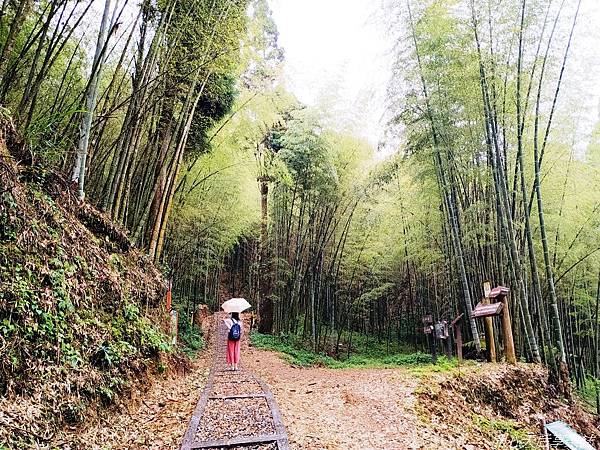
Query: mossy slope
79	308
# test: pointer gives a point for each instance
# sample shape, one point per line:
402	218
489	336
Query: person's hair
235	315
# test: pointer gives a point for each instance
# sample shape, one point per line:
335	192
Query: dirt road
344	409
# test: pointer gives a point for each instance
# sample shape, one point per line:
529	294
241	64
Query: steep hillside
79	307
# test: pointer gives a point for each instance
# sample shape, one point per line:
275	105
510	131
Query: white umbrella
236	305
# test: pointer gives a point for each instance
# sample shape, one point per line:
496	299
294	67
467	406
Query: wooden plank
568	436
215	377
499	291
233	397
282	442
456	320
190	434
240	373
222	371
262	439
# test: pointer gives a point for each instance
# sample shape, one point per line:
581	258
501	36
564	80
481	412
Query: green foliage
190	335
589	392
9	222
307	154
293	352
71	310
518	437
296	354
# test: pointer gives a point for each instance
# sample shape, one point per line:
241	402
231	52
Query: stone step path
236	410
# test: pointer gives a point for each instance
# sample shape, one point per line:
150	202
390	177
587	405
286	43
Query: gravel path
236	407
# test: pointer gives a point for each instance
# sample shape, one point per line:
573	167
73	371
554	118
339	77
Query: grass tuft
512	435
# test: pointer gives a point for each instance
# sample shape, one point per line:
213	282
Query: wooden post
487	289
169	300
432	345
509	345
449	346
458	334
490	343
457	337
430	334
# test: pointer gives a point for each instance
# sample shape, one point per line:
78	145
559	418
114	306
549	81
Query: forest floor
155	419
480	406
343	408
477	406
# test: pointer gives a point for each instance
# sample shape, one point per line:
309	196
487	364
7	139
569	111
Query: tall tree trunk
23	8
499	176
91	96
265	324
564	372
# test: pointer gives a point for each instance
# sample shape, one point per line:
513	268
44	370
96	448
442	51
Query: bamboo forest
278	224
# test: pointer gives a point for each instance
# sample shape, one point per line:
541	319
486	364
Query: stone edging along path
236	410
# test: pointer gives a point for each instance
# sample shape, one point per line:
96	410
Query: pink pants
233	351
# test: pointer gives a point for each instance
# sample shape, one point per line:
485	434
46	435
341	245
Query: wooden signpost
441	332
428	330
495	303
500	293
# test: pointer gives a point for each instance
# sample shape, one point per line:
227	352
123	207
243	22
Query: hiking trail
236	409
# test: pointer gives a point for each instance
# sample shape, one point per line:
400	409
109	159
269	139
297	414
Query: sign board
499	292
441	330
428	319
567	436
481	310
427	329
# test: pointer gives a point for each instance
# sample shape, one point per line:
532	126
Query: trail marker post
490	342
495	304
173	326
441	333
428	329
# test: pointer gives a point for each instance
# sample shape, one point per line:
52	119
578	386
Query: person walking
234	335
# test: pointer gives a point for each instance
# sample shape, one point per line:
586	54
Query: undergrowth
80	319
511	434
589	392
190	336
295	352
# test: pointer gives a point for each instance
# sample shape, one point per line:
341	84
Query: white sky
338	56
